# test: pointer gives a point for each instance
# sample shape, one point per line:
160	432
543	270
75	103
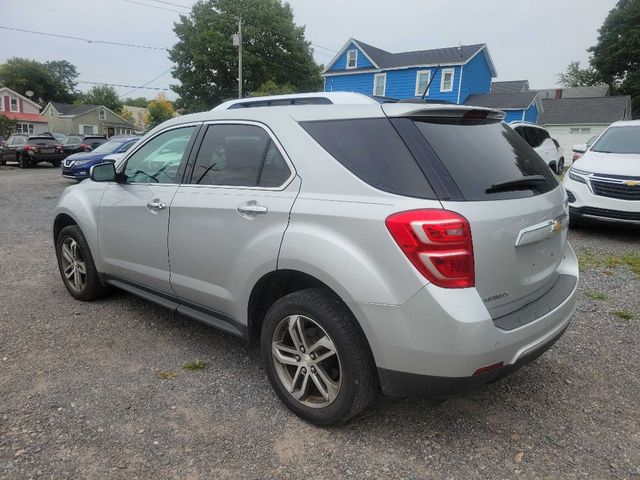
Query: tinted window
239	155
158	160
543	134
109	147
372	150
482	153
619	140
531	136
73	141
42	141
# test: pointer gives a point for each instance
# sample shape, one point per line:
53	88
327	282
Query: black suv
30	150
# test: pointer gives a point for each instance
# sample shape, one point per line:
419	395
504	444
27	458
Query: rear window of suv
374	152
42	141
479	154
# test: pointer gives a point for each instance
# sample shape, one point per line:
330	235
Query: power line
324	48
146	83
87	40
136	87
169	3
154	6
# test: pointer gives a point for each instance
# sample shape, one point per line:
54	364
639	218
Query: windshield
109	147
619	140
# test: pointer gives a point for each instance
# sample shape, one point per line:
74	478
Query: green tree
206	62
579	77
65	75
102	95
136	102
7	126
616	56
160	110
272	88
51	81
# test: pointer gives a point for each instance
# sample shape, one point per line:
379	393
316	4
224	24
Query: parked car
431	274
580	149
60	137
540	140
31	150
77	166
94	141
75	144
604	184
316	98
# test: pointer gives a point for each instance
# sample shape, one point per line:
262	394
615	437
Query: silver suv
397	248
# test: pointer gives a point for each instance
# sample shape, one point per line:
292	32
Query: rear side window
373	151
240	156
479	154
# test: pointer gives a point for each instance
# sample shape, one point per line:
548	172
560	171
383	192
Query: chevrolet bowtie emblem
631	183
556	226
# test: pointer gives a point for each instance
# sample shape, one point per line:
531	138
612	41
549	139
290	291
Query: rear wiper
517	184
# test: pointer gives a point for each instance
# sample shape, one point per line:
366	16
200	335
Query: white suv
540	140
604	184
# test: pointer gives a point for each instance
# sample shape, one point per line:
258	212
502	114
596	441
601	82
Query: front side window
14	104
158	160
379	84
446	84
422	80
352	58
239	156
619	140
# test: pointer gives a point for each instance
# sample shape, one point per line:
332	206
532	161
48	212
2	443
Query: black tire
358	379
22	162
56	163
92	289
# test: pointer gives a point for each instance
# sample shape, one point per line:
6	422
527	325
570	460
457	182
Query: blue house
520	107
458	72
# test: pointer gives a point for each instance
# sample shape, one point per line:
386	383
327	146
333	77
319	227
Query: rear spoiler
441	111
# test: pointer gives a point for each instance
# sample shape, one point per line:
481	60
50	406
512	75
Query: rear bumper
58	157
433	344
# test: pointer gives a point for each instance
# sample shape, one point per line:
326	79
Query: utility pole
237	42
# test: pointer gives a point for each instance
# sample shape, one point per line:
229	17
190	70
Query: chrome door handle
252	208
156	205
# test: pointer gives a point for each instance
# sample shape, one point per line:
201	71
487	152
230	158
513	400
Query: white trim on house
419	90
492	67
377	76
445	71
355	59
11	100
344	49
460	84
25	127
379	70
11	92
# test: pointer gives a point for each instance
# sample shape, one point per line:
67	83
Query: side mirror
580	148
103	172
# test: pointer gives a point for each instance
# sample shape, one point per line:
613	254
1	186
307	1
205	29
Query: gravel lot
82	393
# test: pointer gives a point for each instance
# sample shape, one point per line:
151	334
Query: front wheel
316	357
76	265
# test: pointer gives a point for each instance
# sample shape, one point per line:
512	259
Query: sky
533	40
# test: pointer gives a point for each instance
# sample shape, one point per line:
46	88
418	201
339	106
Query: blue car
77	166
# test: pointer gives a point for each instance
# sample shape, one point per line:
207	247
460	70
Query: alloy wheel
73	265
306	361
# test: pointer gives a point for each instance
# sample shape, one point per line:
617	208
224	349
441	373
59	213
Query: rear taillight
30	148
438	243
85	146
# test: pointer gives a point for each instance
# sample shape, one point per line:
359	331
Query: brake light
30	148
86	146
438	243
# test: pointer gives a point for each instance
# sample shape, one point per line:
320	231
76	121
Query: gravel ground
82	393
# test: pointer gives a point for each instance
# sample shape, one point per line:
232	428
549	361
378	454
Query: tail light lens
30	148
438	243
85	146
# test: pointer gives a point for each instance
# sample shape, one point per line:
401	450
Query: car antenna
430	80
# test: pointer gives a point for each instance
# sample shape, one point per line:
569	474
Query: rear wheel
23	162
316	357
76	265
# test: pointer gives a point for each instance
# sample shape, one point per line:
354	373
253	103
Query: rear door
227	223
519	231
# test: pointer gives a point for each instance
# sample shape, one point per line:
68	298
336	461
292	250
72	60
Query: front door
227	223
110	132
134	213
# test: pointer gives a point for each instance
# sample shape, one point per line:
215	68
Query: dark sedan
30	150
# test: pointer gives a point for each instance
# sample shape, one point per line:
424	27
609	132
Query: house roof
508	101
25	117
595	110
73	110
13	92
510	86
576	92
436	56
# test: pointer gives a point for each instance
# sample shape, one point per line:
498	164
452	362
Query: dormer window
14	105
352	58
51	112
102	115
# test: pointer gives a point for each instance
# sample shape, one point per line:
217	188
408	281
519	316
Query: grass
589	260
166	374
195	365
623	314
596	296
